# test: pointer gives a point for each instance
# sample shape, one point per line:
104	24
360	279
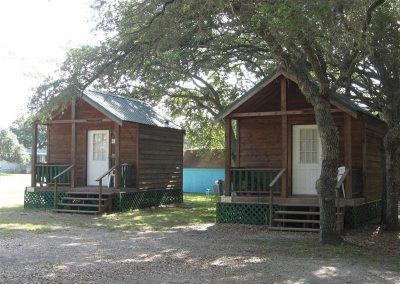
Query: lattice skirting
258	214
41	199
144	199
243	213
360	215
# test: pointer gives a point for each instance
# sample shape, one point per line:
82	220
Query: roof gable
339	101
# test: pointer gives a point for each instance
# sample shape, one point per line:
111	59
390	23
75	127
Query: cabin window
99	147
308	146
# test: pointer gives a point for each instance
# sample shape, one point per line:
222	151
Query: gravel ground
193	254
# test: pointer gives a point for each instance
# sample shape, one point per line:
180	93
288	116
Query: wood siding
260	146
373	176
60	140
160	158
260	142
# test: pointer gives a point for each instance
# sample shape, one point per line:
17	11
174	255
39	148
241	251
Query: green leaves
10	149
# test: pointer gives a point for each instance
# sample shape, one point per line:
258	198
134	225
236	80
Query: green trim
358	216
41	199
257	213
144	199
243	213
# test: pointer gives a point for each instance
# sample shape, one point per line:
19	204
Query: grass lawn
12	188
196	209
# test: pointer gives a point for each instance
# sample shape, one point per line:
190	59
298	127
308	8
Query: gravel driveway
196	254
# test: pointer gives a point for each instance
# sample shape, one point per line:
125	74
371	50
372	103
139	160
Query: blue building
201	169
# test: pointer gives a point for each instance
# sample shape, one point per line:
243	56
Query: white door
307	153
97	155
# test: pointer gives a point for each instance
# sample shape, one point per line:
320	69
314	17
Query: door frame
308	123
87	129
308	120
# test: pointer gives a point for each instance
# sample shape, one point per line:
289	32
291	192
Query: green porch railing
253	180
127	177
44	174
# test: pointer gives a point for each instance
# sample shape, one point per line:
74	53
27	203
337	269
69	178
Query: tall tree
377	86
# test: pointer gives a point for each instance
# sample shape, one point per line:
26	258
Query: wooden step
78	204
297	212
293	229
299	205
296	221
83	198
87	193
74	211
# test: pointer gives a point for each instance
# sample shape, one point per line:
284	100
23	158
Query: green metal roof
341	100
120	108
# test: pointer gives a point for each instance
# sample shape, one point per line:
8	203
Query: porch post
347	154
364	187
227	123
284	191
34	153
117	150
73	140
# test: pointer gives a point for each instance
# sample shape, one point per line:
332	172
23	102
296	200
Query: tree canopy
22	128
10	149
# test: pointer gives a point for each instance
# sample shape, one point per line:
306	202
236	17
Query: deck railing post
339	214
55	194
100	193
271	202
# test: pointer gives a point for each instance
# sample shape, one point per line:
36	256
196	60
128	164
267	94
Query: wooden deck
292	200
88	189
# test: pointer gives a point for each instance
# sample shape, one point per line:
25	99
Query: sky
34	38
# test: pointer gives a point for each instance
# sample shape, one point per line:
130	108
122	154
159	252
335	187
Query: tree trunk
391	218
326	184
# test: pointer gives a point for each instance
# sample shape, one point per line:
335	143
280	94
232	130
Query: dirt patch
187	254
372	237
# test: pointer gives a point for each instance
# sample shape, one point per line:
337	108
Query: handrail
277	177
63	172
107	172
338	213
100	180
56	183
271	194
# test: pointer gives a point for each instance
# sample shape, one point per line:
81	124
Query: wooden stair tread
83	198
88	193
295	221
74	211
297	212
298	205
293	229
78	204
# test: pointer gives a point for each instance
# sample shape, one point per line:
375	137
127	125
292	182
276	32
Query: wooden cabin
271	131
103	144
